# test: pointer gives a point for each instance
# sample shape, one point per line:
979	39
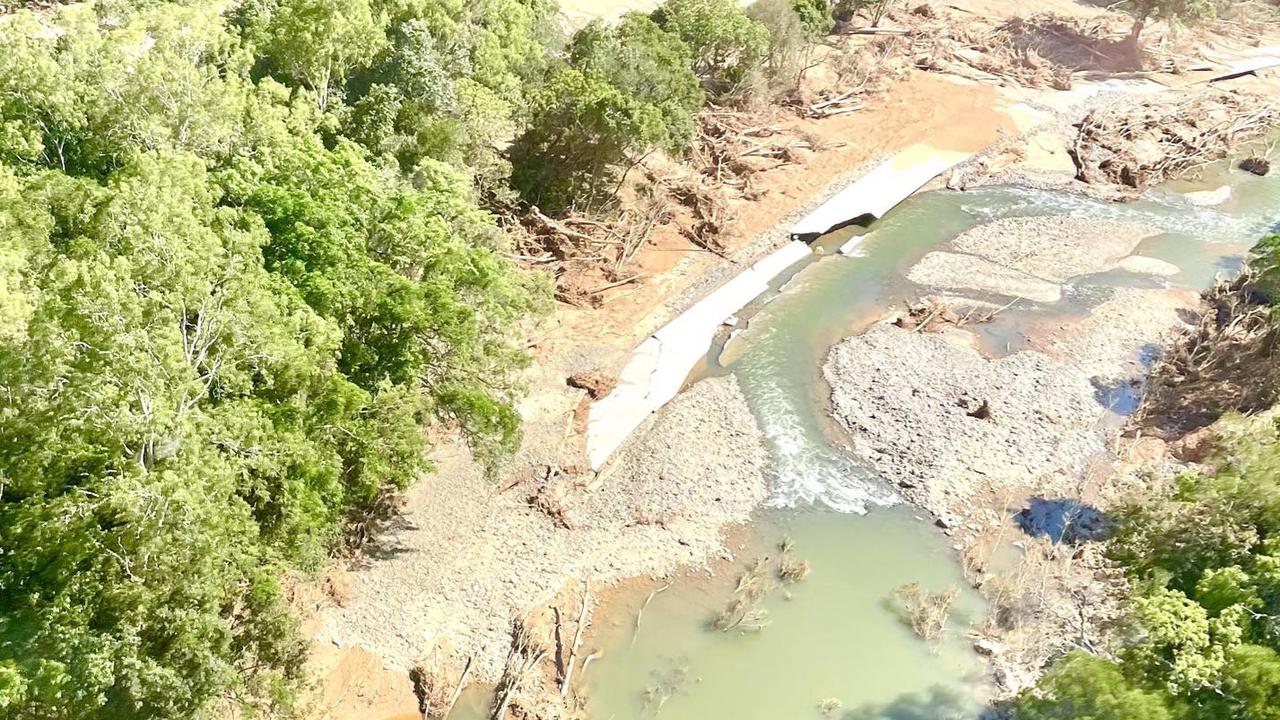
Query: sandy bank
957	271
1121	335
454	573
1054	247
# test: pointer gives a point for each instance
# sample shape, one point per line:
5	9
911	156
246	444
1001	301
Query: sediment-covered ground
944	423
695	468
1032	437
1029	257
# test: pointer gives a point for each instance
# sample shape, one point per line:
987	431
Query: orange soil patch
356	686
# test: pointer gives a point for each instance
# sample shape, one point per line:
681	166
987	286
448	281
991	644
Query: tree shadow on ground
1071	45
1063	520
936	703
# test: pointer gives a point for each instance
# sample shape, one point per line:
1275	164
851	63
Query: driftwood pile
1042	50
576	242
1138	145
1227	363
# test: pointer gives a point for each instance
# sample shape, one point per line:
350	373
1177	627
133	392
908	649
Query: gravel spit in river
1030	257
954	271
1054	247
913	404
467	557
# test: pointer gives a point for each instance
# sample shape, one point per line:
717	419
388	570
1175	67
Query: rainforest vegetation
248	254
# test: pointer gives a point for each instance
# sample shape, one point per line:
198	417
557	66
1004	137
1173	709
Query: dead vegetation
695	195
1141	144
542	675
743	612
924	612
1041	50
438	695
528	648
932	314
603	248
1227	363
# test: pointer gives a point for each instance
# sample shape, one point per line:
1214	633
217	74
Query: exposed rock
1256	165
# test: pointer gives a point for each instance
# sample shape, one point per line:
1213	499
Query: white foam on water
1171	212
808	470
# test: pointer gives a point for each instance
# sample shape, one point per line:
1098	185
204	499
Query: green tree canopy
727	44
582	128
225	328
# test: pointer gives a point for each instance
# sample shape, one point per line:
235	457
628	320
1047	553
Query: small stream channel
834	635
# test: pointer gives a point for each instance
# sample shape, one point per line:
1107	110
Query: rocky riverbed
488	554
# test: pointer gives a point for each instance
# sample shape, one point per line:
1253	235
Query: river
833	645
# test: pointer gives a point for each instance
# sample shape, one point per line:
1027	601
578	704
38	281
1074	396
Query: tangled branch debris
527	650
743	611
1043	50
566	679
1142	144
1226	363
434	698
924	612
577	242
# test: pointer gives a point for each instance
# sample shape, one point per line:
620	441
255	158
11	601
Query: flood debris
1040	50
595	382
743	612
640	612
792	570
926	613
528	648
566	675
929	315
1226	363
669	683
1143	143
